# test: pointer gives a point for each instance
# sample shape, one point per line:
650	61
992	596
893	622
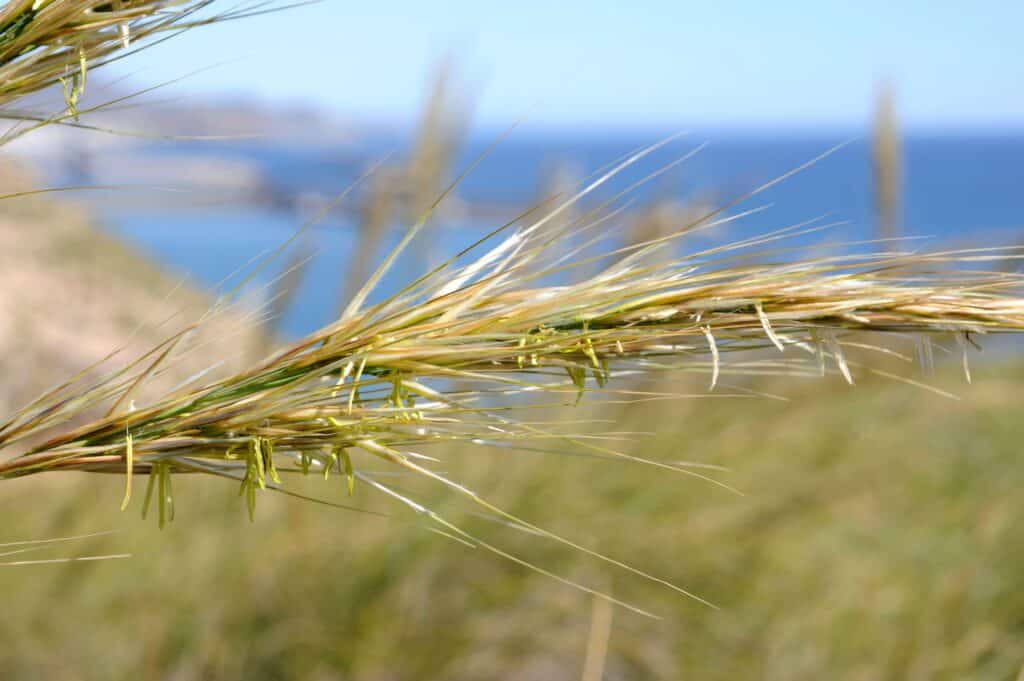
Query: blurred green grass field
878	538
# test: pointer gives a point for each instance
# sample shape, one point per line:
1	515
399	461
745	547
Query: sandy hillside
70	294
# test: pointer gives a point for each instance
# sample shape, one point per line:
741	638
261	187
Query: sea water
959	190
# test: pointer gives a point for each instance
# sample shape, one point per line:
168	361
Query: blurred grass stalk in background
888	167
401	192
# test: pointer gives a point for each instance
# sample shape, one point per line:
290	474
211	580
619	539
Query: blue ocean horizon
958	189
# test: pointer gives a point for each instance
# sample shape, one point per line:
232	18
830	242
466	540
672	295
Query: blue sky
655	64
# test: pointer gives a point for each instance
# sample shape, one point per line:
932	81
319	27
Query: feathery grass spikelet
47	43
439	363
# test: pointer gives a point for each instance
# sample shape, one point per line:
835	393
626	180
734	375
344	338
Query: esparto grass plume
469	352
